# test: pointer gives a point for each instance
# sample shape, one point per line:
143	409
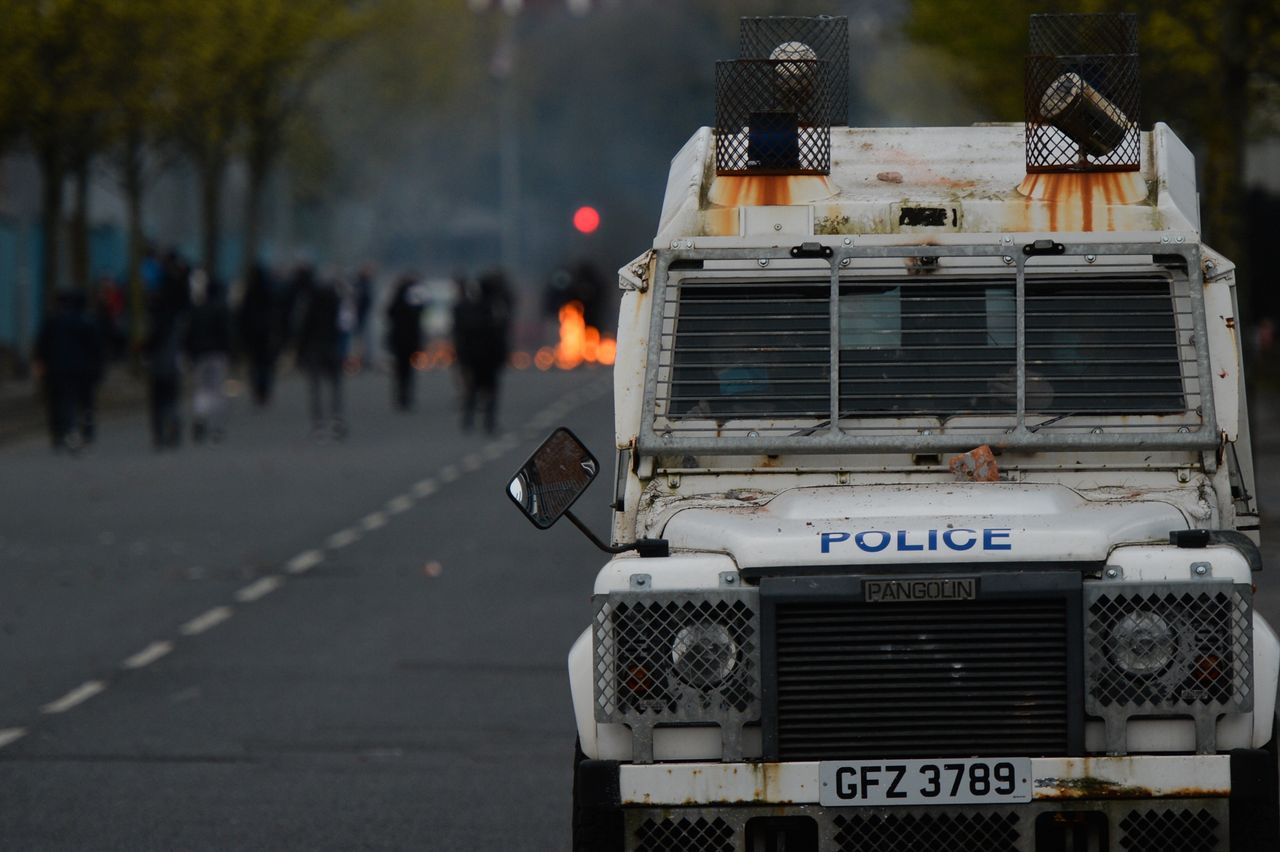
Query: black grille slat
921	679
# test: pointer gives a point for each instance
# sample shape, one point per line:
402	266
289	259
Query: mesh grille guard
1082	94
1205	630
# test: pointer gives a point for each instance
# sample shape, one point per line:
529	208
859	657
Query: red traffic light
586	219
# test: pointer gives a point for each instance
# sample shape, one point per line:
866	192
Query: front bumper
1213	803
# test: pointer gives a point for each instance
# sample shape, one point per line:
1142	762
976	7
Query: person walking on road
362	293
69	358
319	346
404	338
481	325
208	347
258	327
163	351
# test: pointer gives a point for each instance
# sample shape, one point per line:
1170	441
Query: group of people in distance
193	332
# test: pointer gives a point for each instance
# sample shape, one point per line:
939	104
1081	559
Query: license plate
924	782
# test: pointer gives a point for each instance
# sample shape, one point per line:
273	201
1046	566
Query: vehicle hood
961	522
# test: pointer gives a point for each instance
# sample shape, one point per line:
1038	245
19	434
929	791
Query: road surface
273	644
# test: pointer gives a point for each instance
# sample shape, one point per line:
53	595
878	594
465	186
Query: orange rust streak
768	190
1068	187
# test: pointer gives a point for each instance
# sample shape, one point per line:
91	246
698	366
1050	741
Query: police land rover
934	525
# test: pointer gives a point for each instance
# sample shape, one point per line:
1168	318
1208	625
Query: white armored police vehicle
933	515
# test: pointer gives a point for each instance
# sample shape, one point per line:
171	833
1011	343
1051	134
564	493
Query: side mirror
554	477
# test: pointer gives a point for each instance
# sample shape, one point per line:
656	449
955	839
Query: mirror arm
647	547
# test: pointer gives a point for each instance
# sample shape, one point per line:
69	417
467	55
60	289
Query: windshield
1106	350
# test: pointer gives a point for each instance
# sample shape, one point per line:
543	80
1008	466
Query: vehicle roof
976	174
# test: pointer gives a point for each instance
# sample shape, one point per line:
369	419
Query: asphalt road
273	644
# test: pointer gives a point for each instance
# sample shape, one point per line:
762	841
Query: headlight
703	655
1143	643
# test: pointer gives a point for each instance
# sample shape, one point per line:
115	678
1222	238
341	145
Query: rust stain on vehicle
1073	201
1099	788
1088	786
768	190
768	776
720	222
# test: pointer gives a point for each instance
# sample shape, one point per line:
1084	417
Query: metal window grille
1082	93
1172	830
773	116
751	355
827	37
1168	650
994	831
677	658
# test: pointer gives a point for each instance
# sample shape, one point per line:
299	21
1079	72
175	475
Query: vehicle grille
1183	825
927	832
921	679
685	835
1171	830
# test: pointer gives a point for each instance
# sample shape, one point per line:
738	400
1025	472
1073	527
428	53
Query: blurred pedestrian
163	352
482	319
362	293
207	343
319	312
69	358
404	338
258	327
110	316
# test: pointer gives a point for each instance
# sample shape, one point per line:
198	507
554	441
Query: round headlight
704	655
1143	643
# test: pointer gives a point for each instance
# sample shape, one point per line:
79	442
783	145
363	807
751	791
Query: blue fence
21	305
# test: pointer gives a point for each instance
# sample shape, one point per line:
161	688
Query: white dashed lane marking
308	559
79	695
396	505
259	589
11	735
304	561
207	621
342	538
148	655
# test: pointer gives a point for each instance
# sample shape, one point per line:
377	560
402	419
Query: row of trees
1210	68
133	83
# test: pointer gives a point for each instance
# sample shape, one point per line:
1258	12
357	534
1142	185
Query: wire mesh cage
1082	93
773	116
822	37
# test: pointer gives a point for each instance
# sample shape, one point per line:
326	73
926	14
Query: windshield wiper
809	430
1051	420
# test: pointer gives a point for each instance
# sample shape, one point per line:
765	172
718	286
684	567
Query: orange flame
580	342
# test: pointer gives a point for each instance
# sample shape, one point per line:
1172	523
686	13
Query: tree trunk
211	212
258	170
1224	163
51	174
132	173
80	273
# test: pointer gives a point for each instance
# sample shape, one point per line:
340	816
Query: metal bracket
811	250
1043	247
